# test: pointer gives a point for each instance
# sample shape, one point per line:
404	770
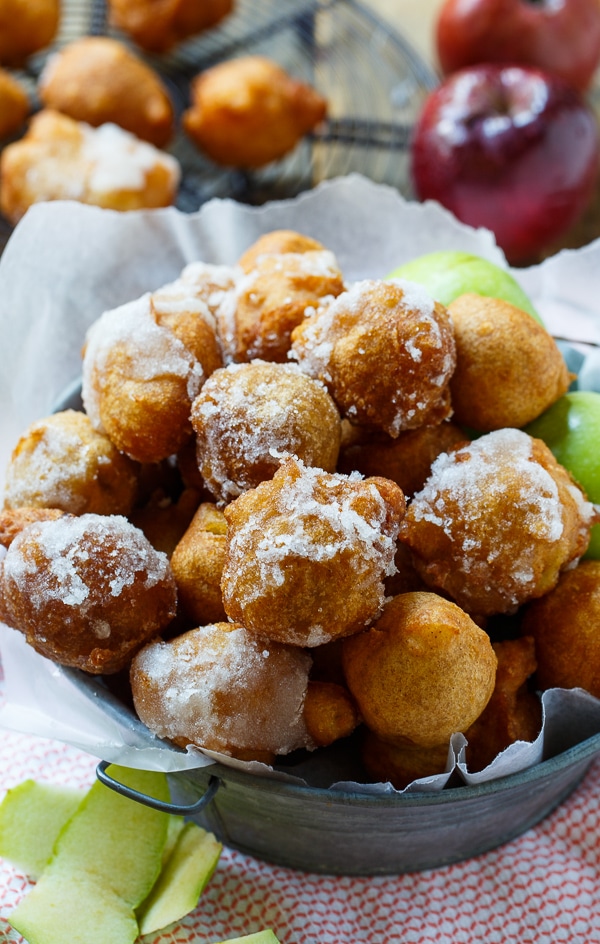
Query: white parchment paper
66	263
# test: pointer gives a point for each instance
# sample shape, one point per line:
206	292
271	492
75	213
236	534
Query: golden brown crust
508	368
272	299
422	672
26	26
197	564
405	460
59	159
564	625
219	688
97	79
87	591
13	520
247	416
277	241
496	522
329	712
247	112
514	712
386	353
63	462
158	25
307	554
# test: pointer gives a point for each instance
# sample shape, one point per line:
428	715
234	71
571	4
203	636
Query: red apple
509	148
558	36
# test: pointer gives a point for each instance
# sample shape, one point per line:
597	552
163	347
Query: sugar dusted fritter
496	523
407	459
277	241
86	591
63	159
220	688
385	351
97	79
257	319
14	104
26	26
308	553
247	415
157	27
565	626
197	563
508	368
514	712
13	520
248	111
144	364
63	462
422	672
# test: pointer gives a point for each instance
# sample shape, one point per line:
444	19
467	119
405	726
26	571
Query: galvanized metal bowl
337	832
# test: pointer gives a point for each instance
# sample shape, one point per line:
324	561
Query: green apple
106	860
260	937
32	815
571	428
448	273
184	877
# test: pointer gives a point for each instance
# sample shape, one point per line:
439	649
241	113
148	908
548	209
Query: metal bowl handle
162	805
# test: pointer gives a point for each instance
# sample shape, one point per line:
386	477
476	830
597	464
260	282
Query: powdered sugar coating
62	462
118	160
218	687
386	352
87	591
496	520
247	415
307	553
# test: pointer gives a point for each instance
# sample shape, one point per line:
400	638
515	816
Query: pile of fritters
270	516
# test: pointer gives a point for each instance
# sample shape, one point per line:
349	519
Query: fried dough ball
247	112
209	283
508	368
277	241
63	159
220	688
98	80
406	460
422	672
386	353
257	319
158	25
197	563
87	591
143	365
307	554
63	462
26	26
13	520
564	625
14	104
164	520
514	712
329	713
247	415
496	522
400	764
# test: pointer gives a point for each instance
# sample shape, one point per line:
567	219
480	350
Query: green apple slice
449	273
260	937
109	852
117	839
67	906
183	879
32	815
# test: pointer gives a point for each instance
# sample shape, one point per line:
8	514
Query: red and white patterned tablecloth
542	888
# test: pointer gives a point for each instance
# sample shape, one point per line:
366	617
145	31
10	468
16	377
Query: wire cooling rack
373	80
